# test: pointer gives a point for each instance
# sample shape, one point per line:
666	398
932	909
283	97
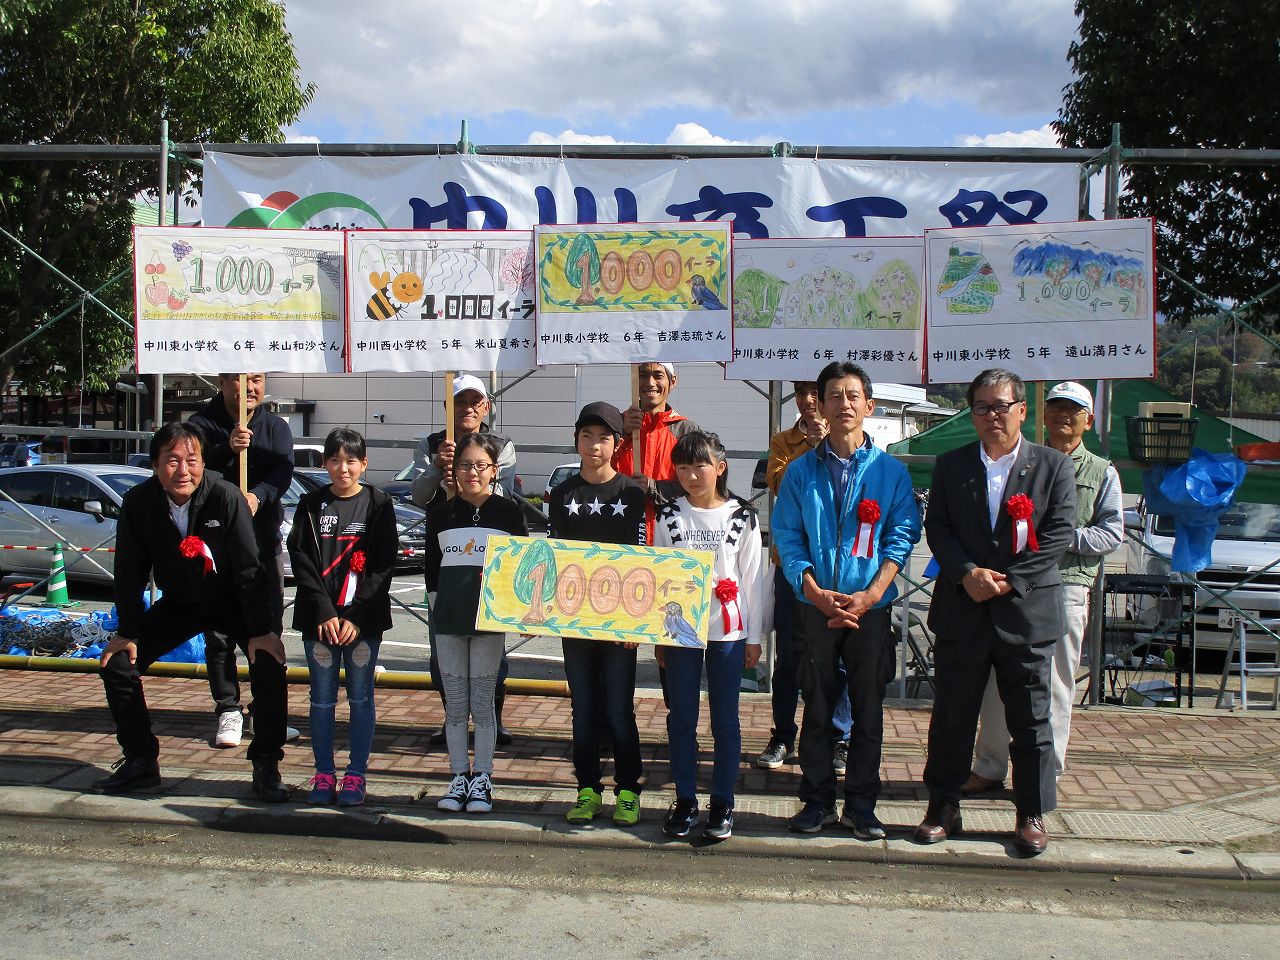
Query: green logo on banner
284	210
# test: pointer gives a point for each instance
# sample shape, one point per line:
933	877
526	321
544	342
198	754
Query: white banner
1058	301
216	301
764	198
800	304
440	300
629	293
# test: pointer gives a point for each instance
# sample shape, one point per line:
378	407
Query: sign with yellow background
596	591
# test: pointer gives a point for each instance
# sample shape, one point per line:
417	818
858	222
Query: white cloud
385	66
1039	137
573	136
682	134
300	138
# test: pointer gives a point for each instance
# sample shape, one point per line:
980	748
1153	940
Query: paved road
73	889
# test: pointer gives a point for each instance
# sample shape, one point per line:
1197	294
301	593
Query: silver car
74	504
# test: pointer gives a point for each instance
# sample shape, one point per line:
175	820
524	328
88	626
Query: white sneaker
480	794
456	796
230	729
290	733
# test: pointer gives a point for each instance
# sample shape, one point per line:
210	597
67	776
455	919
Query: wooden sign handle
449	488
243	421
637	441
1039	411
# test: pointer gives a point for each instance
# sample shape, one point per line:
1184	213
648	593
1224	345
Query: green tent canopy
1261	485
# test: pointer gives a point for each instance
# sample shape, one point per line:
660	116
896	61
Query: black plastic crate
1160	439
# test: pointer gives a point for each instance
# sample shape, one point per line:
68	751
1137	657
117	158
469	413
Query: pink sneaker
322	787
351	793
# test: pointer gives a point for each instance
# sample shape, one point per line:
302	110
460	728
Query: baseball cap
597	411
1070	390
465	381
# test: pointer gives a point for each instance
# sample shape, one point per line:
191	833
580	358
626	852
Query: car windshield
121	483
560	475
1240	521
405	474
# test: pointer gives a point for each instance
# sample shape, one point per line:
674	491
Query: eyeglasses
999	409
470	466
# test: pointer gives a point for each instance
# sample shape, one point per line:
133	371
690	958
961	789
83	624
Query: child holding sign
707	517
458	532
343	549
601	505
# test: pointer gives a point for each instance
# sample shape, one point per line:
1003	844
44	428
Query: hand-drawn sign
595	591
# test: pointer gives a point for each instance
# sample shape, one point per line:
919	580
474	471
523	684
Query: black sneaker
681	818
719	821
438	737
131	773
504	737
775	754
864	823
267	785
840	757
811	818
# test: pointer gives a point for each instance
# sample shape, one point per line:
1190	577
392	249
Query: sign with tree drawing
1050	301
420	300
208	300
625	293
596	591
800	304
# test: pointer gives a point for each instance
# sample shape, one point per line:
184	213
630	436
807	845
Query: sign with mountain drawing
800	304
1047	301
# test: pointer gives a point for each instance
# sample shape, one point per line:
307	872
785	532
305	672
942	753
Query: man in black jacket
269	441
194	535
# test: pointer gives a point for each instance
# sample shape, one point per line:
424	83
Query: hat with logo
465	381
1070	390
599	412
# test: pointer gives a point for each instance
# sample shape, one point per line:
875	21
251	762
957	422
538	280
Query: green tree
101	73
582	266
535	580
1188	74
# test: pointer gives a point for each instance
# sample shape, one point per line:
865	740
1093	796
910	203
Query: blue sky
833	72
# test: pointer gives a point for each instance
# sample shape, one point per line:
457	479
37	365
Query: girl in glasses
457	534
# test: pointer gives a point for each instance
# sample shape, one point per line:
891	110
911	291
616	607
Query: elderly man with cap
1068	415
433	478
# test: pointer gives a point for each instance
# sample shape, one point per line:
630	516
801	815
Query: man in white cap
433	477
1068	414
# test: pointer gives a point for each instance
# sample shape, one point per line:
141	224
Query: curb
755	836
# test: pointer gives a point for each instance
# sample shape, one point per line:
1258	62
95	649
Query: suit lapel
974	486
1020	478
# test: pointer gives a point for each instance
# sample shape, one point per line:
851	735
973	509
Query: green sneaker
626	812
588	805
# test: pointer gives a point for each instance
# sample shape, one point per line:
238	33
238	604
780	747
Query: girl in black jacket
343	549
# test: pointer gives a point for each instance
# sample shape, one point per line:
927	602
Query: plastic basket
1160	439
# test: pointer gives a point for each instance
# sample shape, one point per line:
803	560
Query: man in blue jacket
844	524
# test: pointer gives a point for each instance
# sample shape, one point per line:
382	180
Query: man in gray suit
1001	515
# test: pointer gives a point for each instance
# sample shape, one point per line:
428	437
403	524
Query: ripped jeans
325	660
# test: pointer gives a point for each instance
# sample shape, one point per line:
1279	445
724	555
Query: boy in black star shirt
598	504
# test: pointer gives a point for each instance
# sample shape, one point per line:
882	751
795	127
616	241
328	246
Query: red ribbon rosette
192	547
864	545
1020	509
358	561
726	592
352	580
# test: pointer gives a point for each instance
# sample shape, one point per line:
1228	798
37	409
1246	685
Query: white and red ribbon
868	516
1020	509
352	582
192	547
726	592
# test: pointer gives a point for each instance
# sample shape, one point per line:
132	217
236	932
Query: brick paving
1122	760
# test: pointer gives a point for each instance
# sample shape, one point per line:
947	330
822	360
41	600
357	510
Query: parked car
558	476
20	453
1248	540
400	487
142	460
80	501
410	521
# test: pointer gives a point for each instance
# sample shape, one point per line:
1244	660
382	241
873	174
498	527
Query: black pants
165	626
220	650
602	687
962	666
867	656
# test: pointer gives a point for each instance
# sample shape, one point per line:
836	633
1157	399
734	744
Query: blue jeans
786	692
684	687
325	660
602	688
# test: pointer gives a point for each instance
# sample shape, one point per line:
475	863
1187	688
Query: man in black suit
1001	515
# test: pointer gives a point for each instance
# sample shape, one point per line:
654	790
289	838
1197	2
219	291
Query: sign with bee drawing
800	304
630	292
424	300
596	591
1049	301
208	300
